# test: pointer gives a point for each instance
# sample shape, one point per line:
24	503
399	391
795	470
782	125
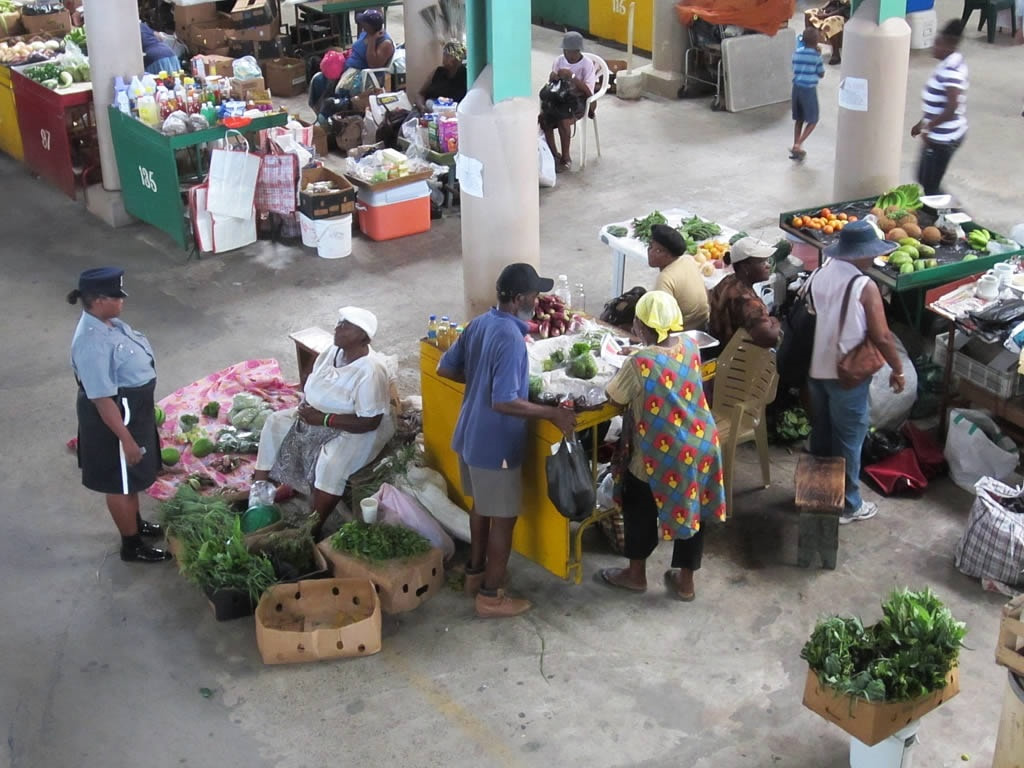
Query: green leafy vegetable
698	229
536	386
642	227
212	409
188	421
582	366
617	231
379	541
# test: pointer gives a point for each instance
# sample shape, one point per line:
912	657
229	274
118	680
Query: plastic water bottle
432	330
121	95
579	298
562	290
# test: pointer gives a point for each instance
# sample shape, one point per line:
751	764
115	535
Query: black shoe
147	528
143	553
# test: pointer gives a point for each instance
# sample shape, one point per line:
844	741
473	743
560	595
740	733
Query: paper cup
369	509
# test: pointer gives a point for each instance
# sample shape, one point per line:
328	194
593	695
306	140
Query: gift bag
992	544
570	483
277	185
976	448
202	221
232	181
217	233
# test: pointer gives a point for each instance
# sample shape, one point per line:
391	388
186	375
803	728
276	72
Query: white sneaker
866	512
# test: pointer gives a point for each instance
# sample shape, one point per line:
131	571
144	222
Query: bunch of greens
77	36
642	227
792	425
290	552
906	655
536	386
698	229
582	366
230	440
379	541
222	561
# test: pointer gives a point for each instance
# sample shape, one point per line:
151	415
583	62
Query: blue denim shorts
805	104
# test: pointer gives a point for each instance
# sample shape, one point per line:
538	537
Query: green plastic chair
989	9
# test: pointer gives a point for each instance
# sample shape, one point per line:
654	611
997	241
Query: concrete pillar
498	131
664	75
869	142
115	48
422	48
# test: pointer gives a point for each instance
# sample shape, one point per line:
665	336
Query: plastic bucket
629	85
922	29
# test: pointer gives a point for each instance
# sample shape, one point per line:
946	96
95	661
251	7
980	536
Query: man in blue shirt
808	69
490	437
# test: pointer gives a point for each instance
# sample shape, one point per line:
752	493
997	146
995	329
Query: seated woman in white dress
343	422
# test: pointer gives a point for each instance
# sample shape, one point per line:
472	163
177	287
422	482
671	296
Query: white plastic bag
887	409
398	508
976	448
605	491
546	162
246	68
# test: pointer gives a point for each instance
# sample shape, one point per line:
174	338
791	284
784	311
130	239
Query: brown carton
187	15
264	32
285	77
251	13
208	36
402	584
873	721
317	620
326	205
246	89
56	24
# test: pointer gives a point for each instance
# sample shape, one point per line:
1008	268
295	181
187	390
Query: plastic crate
913	6
1005	383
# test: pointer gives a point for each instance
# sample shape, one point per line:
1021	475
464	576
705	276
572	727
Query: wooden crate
1010	650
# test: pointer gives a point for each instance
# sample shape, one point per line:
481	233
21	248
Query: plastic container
332	237
913	6
396	212
923	25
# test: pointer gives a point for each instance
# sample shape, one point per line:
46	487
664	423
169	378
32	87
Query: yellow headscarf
659	311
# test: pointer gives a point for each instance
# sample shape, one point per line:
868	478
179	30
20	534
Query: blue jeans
839	424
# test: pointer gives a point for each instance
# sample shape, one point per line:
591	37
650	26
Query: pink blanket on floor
262	378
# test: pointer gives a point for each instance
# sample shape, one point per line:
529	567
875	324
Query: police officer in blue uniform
118	445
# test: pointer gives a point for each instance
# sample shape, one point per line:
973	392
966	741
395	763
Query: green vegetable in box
378	542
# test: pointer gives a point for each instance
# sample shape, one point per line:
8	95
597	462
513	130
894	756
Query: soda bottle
432	330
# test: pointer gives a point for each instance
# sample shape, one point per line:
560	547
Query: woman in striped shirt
944	104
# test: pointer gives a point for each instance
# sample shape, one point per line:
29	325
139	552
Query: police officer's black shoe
143	553
147	528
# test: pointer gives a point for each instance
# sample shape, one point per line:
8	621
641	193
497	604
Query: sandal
670	582
607	577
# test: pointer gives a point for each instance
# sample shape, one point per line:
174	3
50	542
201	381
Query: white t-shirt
360	387
828	287
583	70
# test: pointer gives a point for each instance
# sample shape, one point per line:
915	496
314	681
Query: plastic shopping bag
889	410
398	508
547	162
976	448
992	544
278	184
232	180
570	483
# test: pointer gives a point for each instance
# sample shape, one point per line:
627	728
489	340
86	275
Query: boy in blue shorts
808	68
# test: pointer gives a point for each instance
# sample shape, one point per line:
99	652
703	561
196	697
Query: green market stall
148	166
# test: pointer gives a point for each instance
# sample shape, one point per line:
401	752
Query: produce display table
10	132
58	130
542	534
908	290
637	249
149	170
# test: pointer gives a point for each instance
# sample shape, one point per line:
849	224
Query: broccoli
583	366
579	348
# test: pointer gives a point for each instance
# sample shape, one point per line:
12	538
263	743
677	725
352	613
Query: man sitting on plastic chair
563	100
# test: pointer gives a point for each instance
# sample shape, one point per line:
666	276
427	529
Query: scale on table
948	217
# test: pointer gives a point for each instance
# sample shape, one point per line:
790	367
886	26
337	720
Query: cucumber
66	79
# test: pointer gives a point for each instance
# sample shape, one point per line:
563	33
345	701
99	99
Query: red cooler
395	212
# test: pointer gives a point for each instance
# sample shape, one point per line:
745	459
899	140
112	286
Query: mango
910	241
931	263
202	447
907	268
159	416
170	456
925	250
969	257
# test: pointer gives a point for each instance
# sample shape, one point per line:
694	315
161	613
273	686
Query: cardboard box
317	620
285	77
209	37
56	24
1010	649
247	89
258	49
10	24
218	65
264	32
327	204
187	15
251	13
401	584
873	721
319	137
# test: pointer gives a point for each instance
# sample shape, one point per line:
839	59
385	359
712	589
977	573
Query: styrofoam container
332	237
922	28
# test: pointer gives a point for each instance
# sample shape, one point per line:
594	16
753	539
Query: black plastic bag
799	322
570	482
881	444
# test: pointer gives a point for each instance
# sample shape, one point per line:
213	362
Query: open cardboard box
402	584
317	620
326	205
873	721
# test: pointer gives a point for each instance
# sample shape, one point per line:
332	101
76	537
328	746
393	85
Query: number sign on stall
44	138
147	178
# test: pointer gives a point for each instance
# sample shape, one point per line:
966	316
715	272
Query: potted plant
872	681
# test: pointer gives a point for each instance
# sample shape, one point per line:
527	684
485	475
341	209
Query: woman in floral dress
671	466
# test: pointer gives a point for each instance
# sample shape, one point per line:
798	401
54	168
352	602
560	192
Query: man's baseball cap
522	278
749	248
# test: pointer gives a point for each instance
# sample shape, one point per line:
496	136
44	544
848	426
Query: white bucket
922	29
307	227
629	85
334	237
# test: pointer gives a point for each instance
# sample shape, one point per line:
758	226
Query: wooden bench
820	496
309	343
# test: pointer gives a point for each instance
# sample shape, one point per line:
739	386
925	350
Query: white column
869	143
502	226
115	48
422	48
664	75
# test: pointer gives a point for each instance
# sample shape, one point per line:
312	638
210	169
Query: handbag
793	359
860	363
232	180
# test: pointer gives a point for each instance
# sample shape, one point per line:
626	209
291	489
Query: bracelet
898	375
327	419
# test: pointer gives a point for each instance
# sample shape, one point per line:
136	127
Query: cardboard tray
873	721
411	178
1010	648
403	585
318	620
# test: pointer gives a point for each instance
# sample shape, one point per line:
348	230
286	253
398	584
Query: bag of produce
977	448
570	483
992	544
398	508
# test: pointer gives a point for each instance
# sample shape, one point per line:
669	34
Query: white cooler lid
402	194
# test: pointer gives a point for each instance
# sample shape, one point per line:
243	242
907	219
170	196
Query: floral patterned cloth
262	378
673	436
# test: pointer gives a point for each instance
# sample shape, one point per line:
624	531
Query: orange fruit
852	218
798	221
828	229
825	212
843	217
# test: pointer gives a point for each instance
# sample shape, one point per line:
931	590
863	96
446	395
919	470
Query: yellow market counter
542	534
10	131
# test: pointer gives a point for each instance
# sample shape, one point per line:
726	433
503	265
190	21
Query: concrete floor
104	662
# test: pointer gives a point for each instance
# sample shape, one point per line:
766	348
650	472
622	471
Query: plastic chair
603	76
989	10
745	382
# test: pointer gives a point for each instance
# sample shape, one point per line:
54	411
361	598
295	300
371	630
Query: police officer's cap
102	281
